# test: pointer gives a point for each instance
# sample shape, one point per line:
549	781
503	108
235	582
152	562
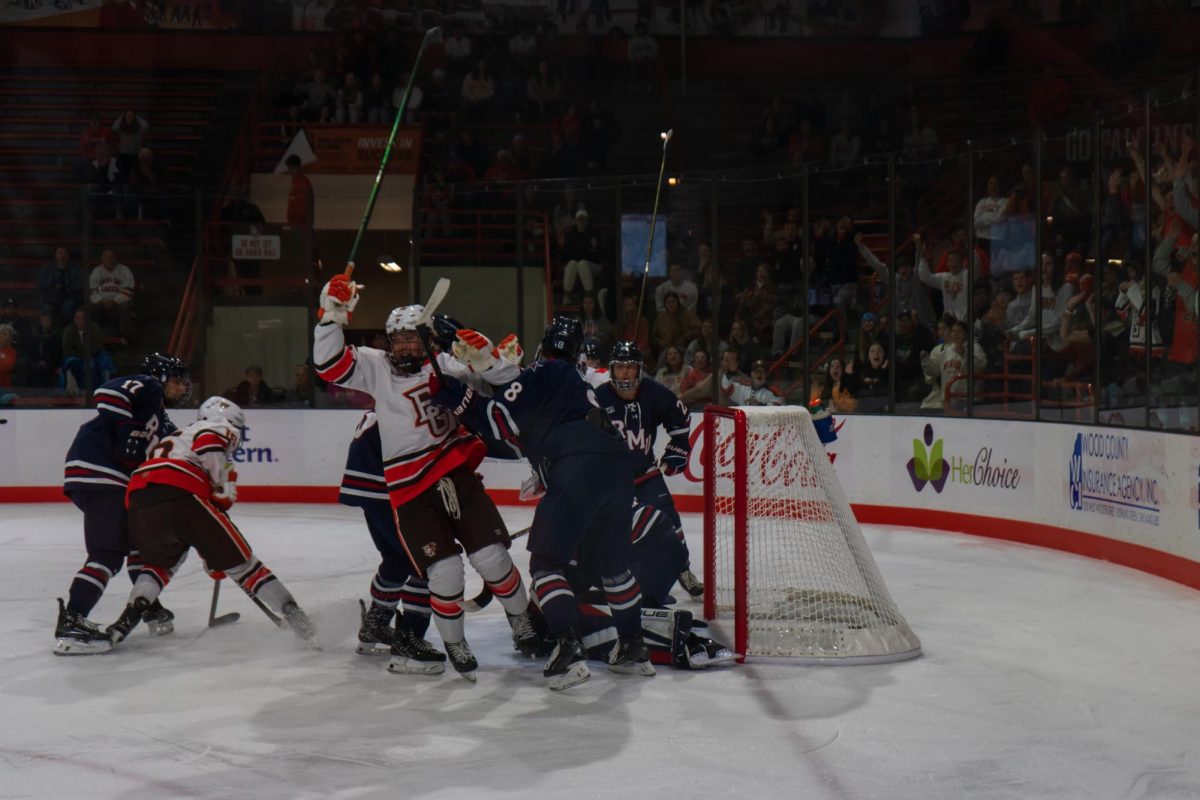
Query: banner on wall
1117	475
354	149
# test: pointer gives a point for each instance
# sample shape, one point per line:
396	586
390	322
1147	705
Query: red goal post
783	552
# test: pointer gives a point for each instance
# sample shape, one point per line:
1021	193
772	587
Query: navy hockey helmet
445	331
625	352
563	338
161	366
591	350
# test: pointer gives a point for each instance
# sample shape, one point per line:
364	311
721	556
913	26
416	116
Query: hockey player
638	406
395	591
131	416
180	498
441	508
549	412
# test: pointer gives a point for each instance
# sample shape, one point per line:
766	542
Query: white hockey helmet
219	408
403	319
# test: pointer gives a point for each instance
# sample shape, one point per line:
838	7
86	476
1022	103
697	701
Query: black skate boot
703	652
525	638
630	656
691	584
412	655
375	634
128	620
462	659
301	625
159	619
76	635
567	664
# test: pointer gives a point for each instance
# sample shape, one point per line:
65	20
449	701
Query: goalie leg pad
666	634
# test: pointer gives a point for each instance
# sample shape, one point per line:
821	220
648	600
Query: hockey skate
691	584
462	659
128	620
375	634
630	656
525	638
412	655
301	625
703	652
76	635
159	620
567	664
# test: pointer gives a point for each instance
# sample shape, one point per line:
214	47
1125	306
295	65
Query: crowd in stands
123	180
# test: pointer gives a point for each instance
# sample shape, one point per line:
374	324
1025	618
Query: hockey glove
674	459
338	298
454	396
511	350
475	350
132	449
225	495
532	488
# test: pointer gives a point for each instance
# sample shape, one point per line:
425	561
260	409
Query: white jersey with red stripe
421	443
196	458
596	376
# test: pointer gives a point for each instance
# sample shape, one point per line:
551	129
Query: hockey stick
431	35
479	601
271	615
440	290
662	167
213	619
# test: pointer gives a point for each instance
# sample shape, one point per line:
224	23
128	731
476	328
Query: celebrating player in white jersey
429	459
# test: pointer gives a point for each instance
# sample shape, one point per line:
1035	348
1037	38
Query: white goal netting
809	588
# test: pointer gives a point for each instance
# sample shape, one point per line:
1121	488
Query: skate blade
407	666
576	674
71	647
704	660
633	668
373	649
469	676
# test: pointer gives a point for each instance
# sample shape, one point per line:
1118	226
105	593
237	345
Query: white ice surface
1044	676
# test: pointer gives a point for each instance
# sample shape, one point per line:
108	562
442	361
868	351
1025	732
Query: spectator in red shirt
301	211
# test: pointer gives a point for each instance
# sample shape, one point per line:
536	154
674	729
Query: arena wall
1126	496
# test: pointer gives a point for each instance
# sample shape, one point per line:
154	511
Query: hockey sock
596	629
446	584
414	602
625	601
91	580
134	566
495	566
258	581
149	584
555	598
385	595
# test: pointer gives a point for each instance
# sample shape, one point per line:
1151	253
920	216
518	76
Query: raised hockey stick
440	290
662	168
480	601
431	35
213	619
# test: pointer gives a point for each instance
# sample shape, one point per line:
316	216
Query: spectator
844	146
731	373
643	59
458	52
111	285
989	213
755	392
599	130
44	353
627	332
743	343
678	284
146	198
60	286
1071	210
1077	329
595	324
11	316
673	370
696	387
318	98
104	180
704	341
478	90
83	344
868	334
1053	303
301	213
416	98
129	129
544	92
952	282
437	201
252	391
1175	260
93	133
756	303
991	331
303	391
911	295
870	376
674	325
9	373
947	364
911	341
350	101
376	101
1020	301
522	48
291	124
832	392
582	255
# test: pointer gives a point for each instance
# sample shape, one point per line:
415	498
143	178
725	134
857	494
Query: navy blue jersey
363	483
545	412
639	419
131	419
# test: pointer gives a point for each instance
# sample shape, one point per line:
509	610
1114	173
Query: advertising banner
358	149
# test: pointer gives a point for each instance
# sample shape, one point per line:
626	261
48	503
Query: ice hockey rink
1044	675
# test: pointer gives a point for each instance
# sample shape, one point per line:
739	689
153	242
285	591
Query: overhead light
388	264
672	181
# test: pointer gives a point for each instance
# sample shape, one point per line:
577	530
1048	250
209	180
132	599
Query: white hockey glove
532	488
225	495
338	298
475	350
510	350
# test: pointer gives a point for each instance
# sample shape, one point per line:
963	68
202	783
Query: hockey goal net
783	552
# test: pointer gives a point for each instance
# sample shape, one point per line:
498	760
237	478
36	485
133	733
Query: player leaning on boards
429	465
549	413
131	416
179	499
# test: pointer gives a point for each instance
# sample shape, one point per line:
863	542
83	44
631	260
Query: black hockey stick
480	601
213	619
271	615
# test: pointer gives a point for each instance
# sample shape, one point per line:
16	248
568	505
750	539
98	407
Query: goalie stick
480	601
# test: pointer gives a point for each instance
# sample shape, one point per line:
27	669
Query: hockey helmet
220	408
445	331
625	352
401	320
563	338
591	350
162	367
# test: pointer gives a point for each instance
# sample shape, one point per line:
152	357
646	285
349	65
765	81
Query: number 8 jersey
421	442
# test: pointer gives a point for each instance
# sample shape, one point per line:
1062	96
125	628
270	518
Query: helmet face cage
403	319
625	353
220	408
